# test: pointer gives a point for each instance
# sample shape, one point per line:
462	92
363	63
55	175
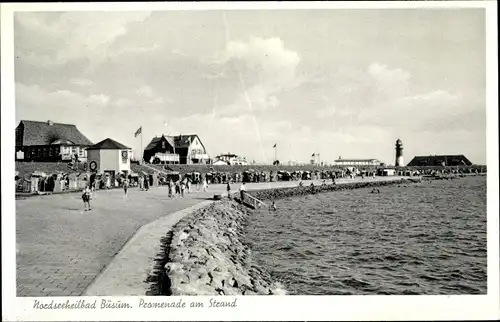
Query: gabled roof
108	144
45	133
180	141
154	142
183	141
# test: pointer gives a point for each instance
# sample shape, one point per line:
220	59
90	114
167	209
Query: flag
313	154
274	145
139	131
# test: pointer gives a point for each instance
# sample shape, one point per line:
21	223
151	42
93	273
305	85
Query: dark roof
183	141
180	141
42	133
108	144
437	160
154	142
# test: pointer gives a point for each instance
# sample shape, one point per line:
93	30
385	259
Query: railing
199	156
167	157
252	202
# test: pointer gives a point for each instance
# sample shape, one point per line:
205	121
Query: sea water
426	238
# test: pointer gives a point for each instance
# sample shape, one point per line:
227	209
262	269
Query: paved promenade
61	249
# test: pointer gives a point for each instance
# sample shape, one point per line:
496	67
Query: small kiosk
110	159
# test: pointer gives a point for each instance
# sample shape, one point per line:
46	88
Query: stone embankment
208	256
278	193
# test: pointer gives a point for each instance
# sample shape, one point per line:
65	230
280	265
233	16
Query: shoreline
149	275
208	253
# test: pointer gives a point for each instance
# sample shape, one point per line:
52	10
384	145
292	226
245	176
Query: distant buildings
229	159
439	160
357	162
49	142
180	149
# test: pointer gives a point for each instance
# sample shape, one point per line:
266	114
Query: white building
231	159
181	149
108	156
357	162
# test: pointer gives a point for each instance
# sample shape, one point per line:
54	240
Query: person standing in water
86	195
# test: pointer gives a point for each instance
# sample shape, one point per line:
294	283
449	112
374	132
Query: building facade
108	156
439	160
357	162
50	142
181	149
230	159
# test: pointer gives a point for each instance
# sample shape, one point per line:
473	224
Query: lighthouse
399	154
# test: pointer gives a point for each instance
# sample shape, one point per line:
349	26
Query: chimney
50	123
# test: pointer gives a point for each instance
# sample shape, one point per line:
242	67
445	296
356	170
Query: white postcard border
254	307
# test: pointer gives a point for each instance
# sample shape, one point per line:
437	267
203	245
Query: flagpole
275	152
141	154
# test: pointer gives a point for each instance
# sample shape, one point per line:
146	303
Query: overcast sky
337	82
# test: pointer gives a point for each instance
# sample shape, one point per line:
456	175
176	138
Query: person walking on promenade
86	196
242	191
228	187
205	185
146	183
125	188
108	182
177	188
198	184
183	187
170	189
93	185
188	185
141	183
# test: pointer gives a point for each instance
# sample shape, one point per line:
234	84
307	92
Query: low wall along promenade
208	255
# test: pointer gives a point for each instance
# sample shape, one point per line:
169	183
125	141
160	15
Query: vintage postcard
250	161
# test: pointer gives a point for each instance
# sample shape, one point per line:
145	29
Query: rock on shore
207	255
